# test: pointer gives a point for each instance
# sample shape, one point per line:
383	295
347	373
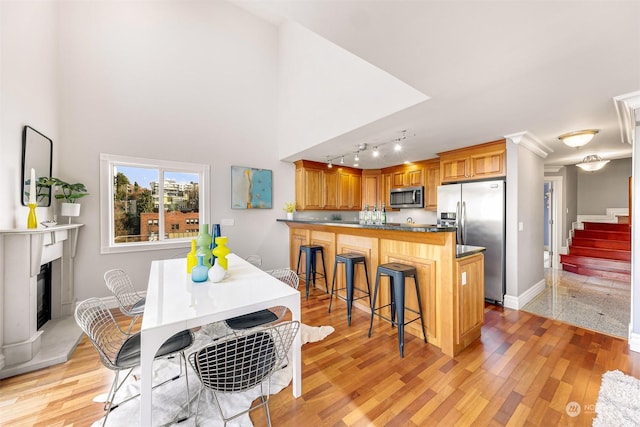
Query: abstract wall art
251	188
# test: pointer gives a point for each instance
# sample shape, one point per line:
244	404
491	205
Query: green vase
203	241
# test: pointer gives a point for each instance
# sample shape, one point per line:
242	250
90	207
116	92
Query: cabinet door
355	198
330	190
488	164
454	169
470	295
414	177
344	193
385	189
432	178
309	189
370	189
397	179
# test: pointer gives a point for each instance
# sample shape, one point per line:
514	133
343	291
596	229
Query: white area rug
618	401
170	402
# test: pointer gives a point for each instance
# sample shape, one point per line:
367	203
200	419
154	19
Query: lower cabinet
469	299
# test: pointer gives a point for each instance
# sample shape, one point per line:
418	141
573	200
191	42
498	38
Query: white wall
28	94
191	81
524	251
327	91
606	188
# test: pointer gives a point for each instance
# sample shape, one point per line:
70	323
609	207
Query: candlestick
32	187
32	221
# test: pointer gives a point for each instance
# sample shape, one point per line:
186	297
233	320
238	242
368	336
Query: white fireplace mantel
23	347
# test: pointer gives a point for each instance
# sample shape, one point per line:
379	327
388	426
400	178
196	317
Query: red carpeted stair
600	249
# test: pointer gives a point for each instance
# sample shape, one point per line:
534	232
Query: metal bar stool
310	252
397	273
349	260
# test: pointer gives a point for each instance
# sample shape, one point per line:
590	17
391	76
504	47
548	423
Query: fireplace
37	327
43	302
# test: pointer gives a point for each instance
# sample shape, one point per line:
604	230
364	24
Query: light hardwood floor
523	371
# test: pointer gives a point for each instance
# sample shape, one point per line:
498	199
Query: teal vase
200	272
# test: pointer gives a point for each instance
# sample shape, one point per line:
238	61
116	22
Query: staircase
600	249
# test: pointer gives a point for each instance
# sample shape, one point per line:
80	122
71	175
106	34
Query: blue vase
200	272
215	232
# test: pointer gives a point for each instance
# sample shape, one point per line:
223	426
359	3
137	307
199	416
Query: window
144	201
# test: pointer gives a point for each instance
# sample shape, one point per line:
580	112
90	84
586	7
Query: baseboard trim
517	302
634	341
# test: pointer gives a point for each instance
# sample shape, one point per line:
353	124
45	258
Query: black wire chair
120	350
239	363
268	316
130	302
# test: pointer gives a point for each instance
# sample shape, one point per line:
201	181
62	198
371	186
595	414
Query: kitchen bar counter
451	276
397	226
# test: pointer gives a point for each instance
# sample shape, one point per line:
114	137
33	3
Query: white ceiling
490	68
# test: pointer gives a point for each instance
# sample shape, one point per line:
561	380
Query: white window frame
107	235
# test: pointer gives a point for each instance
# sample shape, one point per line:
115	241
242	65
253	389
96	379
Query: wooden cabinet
371	190
320	188
477	162
469	299
349	191
406	175
309	189
432	181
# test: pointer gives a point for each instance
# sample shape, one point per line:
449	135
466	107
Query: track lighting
376	153
342	160
357	157
397	146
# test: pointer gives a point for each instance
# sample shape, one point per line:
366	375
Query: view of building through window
153	204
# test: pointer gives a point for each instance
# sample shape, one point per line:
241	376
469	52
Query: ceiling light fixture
592	163
342	160
578	138
357	157
376	153
397	146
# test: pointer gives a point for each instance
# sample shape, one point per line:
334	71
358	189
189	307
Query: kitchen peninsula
451	276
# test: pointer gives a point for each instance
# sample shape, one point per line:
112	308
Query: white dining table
175	303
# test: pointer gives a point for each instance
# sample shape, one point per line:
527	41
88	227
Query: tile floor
594	303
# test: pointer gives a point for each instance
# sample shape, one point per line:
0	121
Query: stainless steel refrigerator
479	209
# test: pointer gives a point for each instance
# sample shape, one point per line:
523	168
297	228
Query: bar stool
349	260
310	252
397	273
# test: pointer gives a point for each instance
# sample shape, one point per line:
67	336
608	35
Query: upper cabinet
432	179
371	189
320	188
477	162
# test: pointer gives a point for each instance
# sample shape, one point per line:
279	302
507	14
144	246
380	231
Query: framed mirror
37	151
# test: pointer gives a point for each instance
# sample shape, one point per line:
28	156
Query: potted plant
289	207
70	193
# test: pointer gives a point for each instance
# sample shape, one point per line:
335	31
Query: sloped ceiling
490	69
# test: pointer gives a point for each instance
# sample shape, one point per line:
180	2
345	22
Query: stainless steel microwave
407	197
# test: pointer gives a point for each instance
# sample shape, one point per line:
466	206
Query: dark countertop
466	250
420	228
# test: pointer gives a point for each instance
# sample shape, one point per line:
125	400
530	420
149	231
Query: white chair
239	363
255	260
268	316
120	350
130	302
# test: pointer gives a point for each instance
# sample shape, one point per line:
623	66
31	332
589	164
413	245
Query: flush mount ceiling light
592	163
578	138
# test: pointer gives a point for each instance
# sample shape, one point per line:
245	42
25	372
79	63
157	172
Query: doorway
552	236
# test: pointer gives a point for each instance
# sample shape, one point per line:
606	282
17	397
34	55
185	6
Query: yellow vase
32	221
192	259
221	251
